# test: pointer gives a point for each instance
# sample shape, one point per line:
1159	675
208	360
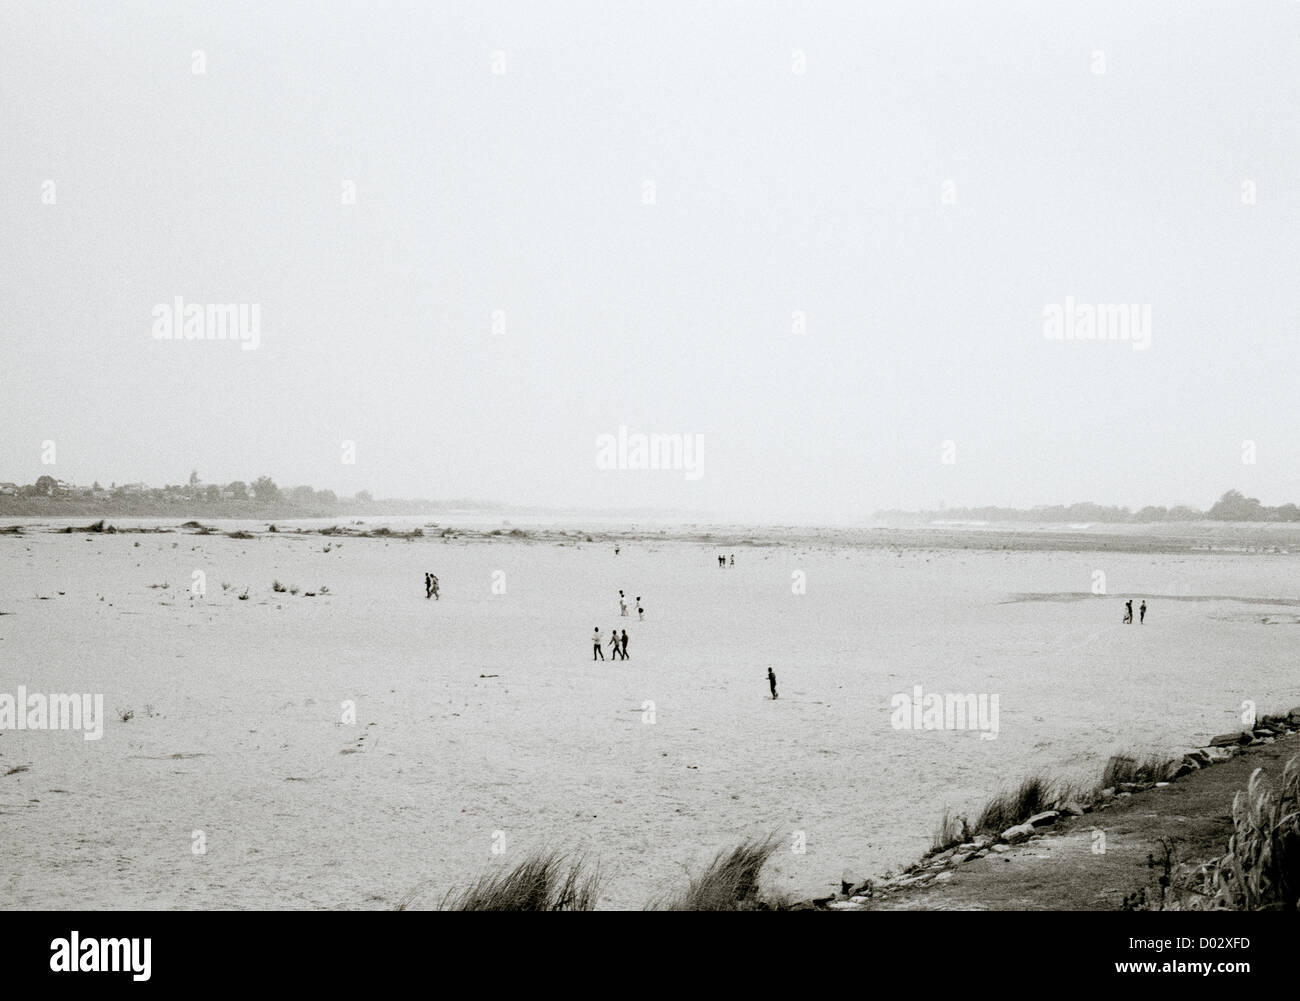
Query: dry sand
300	810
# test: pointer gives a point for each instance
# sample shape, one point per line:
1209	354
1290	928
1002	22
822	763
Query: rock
859	900
1266	740
1131	787
974	855
943	877
1218	755
1225	740
1043	819
1122	795
1200	757
841	905
1293	716
1017	833
1000	849
1163	785
1260	732
864	889
981	842
1071	808
1177	769
1107	794
960	857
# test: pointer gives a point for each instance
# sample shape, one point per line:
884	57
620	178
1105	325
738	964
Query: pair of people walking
430	586
722	560
617	643
1128	612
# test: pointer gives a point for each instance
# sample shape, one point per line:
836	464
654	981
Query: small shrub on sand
126	715
238	535
952	830
244	596
730	883
277	587
1007	809
545	881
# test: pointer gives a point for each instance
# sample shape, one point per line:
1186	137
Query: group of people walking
1128	611
617	643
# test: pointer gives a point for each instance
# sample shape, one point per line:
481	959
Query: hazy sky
798	153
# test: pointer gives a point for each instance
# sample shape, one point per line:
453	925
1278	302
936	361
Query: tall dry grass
544	881
1260	871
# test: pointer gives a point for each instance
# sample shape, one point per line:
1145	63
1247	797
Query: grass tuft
544	881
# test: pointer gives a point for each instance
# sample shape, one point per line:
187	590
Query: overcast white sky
775	191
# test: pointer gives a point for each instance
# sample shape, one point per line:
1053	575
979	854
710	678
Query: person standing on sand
1142	612
771	681
625	644
613	642
1128	614
622	603
640	612
428	589
598	649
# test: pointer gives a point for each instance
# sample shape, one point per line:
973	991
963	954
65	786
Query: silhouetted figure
625	644
428	586
433	586
1142	612
1128	615
598	649
613	642
771	682
616	550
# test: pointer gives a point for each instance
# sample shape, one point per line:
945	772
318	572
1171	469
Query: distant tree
212	493
1150	513
1233	506
96	486
363	497
1288	512
239	488
194	477
45	486
266	489
301	495
326	497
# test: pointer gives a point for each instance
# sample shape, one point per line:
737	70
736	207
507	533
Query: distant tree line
263	491
1232	506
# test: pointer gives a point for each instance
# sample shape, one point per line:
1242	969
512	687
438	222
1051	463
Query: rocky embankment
1127	820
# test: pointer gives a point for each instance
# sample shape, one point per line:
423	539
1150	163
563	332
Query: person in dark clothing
1142	612
625	644
1128	614
771	681
428	589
